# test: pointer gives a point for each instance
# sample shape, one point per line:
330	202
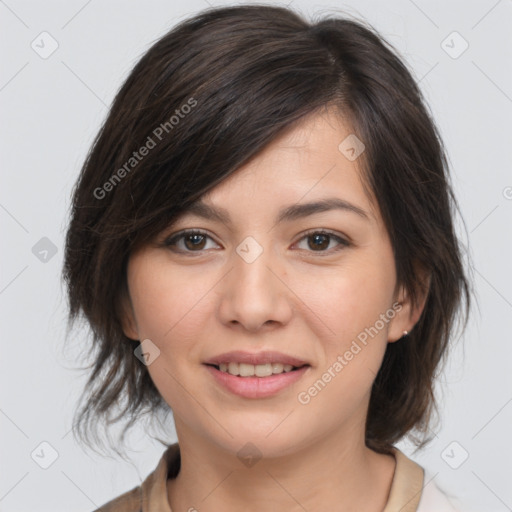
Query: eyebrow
287	214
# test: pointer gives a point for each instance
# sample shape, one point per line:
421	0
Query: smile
256	381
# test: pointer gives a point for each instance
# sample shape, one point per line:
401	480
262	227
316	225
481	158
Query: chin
257	442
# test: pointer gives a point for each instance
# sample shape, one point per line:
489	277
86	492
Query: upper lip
239	356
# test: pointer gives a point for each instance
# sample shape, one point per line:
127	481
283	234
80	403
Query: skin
295	298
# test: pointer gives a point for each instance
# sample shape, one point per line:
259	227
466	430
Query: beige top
151	495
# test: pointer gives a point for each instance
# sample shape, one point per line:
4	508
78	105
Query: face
271	274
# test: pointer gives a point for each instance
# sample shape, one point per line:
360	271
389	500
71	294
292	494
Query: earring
405	333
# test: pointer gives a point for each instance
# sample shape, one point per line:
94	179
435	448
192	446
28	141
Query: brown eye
321	241
194	241
318	241
188	241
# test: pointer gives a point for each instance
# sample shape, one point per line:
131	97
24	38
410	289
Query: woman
261	240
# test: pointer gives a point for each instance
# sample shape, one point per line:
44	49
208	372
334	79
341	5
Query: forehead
316	158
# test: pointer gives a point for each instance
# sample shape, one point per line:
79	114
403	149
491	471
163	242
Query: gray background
51	108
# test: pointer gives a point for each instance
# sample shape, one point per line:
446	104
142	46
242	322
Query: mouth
254	381
256	374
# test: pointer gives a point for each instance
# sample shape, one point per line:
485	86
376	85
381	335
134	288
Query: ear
408	312
127	315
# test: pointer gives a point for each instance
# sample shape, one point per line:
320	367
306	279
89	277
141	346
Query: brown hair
204	99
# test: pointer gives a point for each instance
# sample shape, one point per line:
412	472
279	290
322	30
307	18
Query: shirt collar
406	486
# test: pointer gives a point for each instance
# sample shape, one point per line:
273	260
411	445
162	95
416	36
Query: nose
254	294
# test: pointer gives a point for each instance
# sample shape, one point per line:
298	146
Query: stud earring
405	333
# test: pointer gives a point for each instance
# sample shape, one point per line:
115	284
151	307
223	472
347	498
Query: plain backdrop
52	107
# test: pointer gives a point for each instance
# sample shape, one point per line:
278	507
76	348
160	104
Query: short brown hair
247	73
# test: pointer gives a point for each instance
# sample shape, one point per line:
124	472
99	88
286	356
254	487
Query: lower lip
257	387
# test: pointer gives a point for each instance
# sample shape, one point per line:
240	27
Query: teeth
278	367
233	369
251	370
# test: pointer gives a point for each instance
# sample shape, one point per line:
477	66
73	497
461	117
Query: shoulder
128	502
152	493
414	489
433	499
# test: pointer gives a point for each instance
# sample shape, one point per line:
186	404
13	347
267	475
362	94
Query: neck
314	477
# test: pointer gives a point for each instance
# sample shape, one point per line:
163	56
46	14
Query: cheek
349	299
168	304
354	344
169	311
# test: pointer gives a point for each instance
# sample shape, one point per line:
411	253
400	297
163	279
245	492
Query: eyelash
172	239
